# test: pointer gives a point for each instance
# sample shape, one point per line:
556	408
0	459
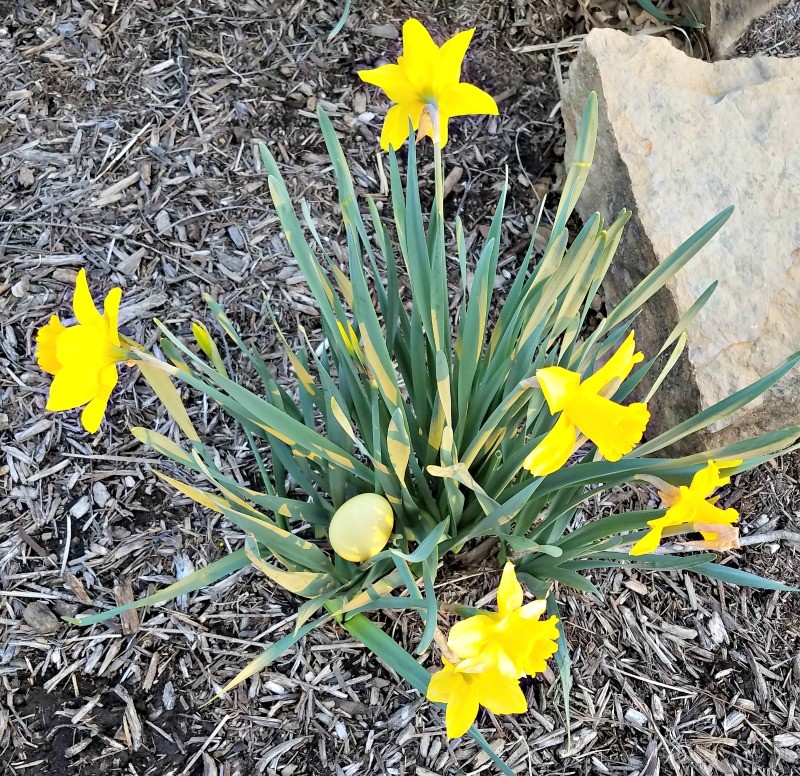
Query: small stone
359	102
168	696
100	494
40	618
388	31
80	507
21	287
635	717
26	177
717	630
163	224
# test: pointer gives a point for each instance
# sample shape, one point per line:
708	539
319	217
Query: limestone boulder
679	140
727	20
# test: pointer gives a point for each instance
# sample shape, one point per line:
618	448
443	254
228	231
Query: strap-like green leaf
201	578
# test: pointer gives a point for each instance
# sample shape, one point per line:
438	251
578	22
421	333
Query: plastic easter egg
361	527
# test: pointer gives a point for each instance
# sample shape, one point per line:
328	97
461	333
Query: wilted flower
693	506
512	640
82	358
425	85
464	691
584	408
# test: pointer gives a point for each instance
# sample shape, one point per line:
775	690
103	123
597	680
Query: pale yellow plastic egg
361	527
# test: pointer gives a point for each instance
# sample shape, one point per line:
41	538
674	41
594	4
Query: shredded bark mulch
128	134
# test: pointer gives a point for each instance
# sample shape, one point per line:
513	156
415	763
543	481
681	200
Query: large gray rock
727	20
678	141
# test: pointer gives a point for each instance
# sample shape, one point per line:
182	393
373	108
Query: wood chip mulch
127	144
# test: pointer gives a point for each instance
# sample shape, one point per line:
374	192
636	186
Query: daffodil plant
413	432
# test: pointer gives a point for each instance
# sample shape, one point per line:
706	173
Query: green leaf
429	566
721	409
570	578
563	663
612	525
665	271
662	17
340	24
162	386
203	577
523	544
282	543
579	169
742	578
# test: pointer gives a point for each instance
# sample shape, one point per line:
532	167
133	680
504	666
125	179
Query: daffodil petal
706	481
558	386
711	514
93	412
72	387
466	100
618	367
111	314
46	339
648	543
500	694
462	709
533	610
393	80
467	637
615	429
82	302
84	346
451	57
554	450
395	125
420	55
509	593
716	537
441	684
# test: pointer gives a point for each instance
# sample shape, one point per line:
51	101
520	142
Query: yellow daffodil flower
425	85
585	407
464	692
82	358
512	640
693	506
